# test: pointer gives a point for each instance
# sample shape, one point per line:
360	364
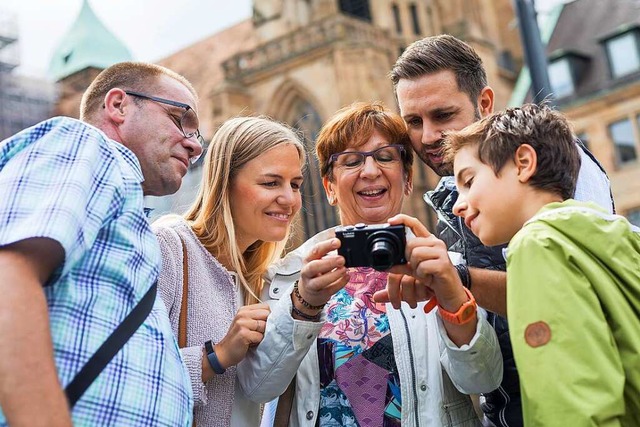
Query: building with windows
300	61
594	71
24	101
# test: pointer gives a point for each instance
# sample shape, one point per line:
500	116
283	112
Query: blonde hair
237	141
137	76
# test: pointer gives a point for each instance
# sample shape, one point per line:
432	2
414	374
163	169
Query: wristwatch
213	359
465	313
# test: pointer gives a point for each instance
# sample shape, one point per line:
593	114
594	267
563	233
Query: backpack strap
285	403
182	322
110	347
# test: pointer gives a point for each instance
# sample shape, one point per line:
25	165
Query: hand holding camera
428	273
322	276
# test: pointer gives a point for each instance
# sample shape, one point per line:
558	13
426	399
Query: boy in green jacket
573	270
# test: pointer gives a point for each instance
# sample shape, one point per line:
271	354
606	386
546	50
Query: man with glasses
188	121
78	260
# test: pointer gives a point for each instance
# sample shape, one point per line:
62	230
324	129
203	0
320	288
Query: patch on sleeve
537	334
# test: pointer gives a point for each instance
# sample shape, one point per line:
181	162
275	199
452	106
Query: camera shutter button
360	225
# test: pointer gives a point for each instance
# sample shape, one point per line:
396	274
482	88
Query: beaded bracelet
296	292
465	277
305	316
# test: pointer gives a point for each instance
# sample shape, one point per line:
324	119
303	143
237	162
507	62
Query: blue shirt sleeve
58	180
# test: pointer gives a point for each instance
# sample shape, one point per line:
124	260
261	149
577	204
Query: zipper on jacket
440	214
507	399
413	369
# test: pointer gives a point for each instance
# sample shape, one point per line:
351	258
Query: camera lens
381	255
383	250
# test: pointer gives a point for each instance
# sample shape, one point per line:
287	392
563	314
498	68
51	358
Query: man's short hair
135	76
441	53
498	137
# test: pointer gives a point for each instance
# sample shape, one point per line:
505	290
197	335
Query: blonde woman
217	253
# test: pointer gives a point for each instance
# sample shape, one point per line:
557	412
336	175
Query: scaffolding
8	41
24	101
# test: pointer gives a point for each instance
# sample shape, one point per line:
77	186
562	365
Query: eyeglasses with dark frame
385	157
188	123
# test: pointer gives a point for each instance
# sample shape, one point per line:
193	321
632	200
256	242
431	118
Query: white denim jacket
435	374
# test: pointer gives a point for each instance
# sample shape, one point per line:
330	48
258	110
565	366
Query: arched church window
316	214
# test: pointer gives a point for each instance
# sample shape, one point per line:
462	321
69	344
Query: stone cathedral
298	61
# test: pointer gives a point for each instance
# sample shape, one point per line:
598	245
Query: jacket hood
592	230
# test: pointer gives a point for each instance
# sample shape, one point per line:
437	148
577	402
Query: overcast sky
151	29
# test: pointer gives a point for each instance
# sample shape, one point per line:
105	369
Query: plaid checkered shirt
65	180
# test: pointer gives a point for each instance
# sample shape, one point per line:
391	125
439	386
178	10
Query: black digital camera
379	246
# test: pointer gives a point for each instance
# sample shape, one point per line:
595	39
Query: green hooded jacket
573	302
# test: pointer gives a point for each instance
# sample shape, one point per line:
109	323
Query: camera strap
107	351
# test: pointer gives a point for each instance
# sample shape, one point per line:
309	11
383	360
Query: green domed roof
87	44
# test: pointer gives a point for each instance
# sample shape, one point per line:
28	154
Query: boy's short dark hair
442	53
498	137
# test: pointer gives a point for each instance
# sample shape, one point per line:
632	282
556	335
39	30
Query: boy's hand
401	287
